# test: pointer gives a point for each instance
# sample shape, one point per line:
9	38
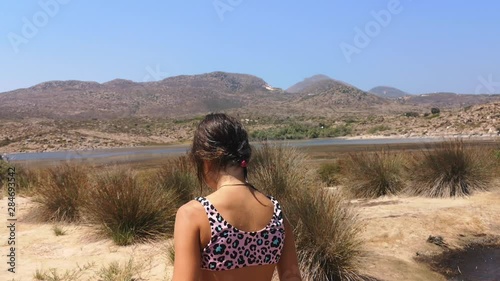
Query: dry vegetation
130	207
127	211
177	175
371	175
61	193
43	134
329	252
448	169
451	169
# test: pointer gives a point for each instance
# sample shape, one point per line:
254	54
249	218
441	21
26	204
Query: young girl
236	232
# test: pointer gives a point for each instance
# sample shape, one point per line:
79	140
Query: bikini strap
214	218
278	214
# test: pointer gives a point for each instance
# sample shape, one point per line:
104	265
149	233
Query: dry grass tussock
60	193
451	169
326	227
126	206
127	211
329	173
374	174
177	175
327	236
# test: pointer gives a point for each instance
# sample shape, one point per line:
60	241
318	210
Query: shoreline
179	148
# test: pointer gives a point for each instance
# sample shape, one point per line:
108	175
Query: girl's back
235	233
247	211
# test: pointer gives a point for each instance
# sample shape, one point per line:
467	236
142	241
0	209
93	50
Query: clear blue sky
425	46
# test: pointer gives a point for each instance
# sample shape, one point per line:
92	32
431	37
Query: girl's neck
228	180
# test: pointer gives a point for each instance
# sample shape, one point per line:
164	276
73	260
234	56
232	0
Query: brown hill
306	83
190	95
175	96
321	95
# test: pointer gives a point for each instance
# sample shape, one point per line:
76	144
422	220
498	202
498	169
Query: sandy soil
38	248
396	231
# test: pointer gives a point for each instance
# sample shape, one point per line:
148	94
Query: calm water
173	150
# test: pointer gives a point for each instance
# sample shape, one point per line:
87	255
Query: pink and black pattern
231	248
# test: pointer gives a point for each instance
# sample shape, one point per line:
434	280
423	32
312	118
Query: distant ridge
68	84
449	100
191	95
321	93
173	96
301	86
388	92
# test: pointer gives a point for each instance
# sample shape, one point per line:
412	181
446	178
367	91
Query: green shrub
326	228
60	193
411	114
435	110
329	173
127	211
300	131
450	169
370	175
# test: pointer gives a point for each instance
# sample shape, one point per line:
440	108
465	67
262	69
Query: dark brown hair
221	140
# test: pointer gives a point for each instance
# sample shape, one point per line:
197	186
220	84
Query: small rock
437	240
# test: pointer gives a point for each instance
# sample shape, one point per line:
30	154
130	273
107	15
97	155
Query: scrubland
363	216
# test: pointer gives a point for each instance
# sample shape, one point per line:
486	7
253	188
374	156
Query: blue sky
416	45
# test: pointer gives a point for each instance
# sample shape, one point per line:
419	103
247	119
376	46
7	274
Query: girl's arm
187	244
288	266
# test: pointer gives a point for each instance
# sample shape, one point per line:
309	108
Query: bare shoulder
192	210
263	197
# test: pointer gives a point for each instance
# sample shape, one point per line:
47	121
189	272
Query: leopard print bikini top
231	248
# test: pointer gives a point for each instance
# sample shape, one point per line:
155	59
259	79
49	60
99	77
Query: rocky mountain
174	96
60	115
190	95
322	95
306	83
388	92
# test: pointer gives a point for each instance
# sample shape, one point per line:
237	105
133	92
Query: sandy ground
38	248
396	230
